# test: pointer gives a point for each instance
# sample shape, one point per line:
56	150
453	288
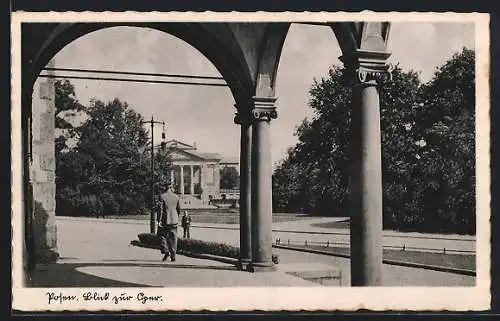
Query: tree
66	107
318	165
67	163
108	171
427	133
447	118
229	178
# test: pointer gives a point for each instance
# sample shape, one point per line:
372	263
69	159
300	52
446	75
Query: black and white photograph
253	161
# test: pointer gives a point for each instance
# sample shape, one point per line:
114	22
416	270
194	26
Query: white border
244	299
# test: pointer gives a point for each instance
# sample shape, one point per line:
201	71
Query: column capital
243	115
264	108
256	109
243	118
365	67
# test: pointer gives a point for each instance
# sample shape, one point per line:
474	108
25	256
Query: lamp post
152	220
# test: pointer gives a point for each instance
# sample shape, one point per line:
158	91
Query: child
186	223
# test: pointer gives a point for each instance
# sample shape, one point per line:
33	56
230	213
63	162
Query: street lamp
152	220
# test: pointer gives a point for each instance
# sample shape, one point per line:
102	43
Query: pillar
43	171
182	179
191	186
202	183
366	182
217	180
261	174
172	176
245	189
29	246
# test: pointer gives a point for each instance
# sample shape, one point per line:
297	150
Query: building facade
196	175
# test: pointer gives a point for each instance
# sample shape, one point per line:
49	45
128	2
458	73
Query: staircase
191	202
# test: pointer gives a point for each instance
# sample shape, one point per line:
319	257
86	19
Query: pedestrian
186	224
168	220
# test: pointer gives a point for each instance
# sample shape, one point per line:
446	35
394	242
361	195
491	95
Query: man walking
168	219
186	224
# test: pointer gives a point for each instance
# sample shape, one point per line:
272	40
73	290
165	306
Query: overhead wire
120	79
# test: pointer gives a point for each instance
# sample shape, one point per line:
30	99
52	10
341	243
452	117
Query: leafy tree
427	133
108	171
318	166
447	117
66	107
229	178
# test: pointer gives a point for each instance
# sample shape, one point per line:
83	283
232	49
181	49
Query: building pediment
179	145
183	155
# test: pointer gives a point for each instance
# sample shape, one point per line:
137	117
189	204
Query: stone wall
43	168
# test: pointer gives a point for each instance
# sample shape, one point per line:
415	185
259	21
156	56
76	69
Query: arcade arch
247	56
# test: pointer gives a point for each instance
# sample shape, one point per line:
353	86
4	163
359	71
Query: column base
47	256
244	264
262	267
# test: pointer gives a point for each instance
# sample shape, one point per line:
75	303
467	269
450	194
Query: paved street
101	248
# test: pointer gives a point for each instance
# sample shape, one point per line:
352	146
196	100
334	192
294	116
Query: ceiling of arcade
246	54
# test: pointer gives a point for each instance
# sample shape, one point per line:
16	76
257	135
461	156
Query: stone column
366	180
43	170
182	180
29	248
217	180
191	186
202	183
245	188
261	196
172	176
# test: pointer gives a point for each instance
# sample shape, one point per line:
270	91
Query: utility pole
152	220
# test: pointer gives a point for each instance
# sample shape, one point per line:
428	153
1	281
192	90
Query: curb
389	262
388	234
218	258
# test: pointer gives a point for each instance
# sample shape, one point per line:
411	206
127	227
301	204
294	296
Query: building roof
180	145
174	144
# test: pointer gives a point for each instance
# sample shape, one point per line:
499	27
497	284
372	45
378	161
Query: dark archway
221	50
247	56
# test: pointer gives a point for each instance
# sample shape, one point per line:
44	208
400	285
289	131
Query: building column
245	189
191	186
172	175
182	180
43	167
202	183
366	212
261	183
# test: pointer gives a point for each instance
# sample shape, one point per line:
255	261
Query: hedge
198	246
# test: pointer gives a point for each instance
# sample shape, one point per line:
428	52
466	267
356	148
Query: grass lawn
216	218
340	224
458	261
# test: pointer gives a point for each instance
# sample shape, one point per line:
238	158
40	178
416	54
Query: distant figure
168	219
186	224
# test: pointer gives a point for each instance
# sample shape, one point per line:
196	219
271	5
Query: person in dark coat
168	220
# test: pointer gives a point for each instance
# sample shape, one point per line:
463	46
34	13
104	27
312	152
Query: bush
199	246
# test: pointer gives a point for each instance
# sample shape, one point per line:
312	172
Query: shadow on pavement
66	275
167	264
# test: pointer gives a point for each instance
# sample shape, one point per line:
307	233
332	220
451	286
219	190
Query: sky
204	115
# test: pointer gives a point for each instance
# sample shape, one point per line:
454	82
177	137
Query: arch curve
368	37
346	34
222	53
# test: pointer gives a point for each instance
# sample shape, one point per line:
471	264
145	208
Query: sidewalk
99	254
